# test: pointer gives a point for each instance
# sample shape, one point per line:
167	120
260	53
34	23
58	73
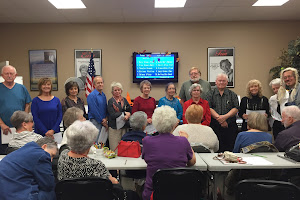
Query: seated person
197	132
75	163
165	150
138	123
71	115
26	173
23	122
257	127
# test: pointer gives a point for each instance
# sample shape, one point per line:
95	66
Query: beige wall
257	46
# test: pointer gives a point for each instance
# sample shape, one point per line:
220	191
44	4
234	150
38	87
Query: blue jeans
98	126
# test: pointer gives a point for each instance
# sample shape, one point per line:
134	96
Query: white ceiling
123	11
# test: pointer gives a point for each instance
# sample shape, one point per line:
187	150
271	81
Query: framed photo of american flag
82	62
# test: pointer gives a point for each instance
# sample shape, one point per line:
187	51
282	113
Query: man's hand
221	119
245	116
5	129
224	124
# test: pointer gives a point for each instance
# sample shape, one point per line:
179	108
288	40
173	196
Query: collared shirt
184	91
223	104
97	106
206	111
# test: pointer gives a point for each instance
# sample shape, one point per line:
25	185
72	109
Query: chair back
200	148
266	189
178	183
84	188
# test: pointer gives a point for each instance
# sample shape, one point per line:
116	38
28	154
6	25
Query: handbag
293	153
129	149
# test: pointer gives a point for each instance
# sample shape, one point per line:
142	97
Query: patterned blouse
69	167
68	103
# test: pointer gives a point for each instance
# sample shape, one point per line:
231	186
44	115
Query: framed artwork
220	60
82	61
42	63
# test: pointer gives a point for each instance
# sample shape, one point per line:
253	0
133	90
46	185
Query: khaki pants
114	137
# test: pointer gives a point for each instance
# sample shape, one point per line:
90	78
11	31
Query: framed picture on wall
42	63
220	60
82	61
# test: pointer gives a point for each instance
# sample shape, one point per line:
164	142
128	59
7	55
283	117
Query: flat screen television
155	67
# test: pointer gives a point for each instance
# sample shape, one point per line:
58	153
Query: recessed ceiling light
270	2
169	3
67	4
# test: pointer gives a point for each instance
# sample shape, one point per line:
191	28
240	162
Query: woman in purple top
46	110
165	150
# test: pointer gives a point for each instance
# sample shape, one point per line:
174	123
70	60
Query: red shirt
145	105
206	111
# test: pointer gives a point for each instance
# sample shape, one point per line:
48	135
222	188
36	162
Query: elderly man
195	75
27	172
223	105
291	135
97	104
13	97
289	81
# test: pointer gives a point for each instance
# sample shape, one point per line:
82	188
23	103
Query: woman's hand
149	121
113	179
245	116
183	134
50	134
127	115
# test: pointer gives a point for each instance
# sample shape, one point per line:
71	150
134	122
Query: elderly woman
196	131
118	109
195	91
70	116
276	106
23	122
254	100
169	100
72	99
144	102
165	150
257	127
138	123
75	163
46	110
225	65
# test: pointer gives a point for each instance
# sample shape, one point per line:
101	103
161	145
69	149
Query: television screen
155	67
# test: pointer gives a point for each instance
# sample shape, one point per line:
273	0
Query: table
126	163
219	170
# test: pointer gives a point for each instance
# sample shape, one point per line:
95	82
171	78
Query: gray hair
7	67
194	86
19	117
81	136
51	144
275	81
96	77
116	84
222	75
71	115
292	111
167	86
164	119
137	120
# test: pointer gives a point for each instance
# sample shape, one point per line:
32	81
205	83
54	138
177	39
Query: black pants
226	136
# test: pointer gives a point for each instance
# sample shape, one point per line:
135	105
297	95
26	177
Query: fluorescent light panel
169	3
67	4
270	2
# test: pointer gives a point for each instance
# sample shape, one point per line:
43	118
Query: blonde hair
194	114
251	83
282	89
43	81
195	68
145	82
257	121
115	84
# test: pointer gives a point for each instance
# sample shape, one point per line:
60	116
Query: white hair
9	66
222	75
81	136
137	120
116	84
292	111
275	81
164	118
